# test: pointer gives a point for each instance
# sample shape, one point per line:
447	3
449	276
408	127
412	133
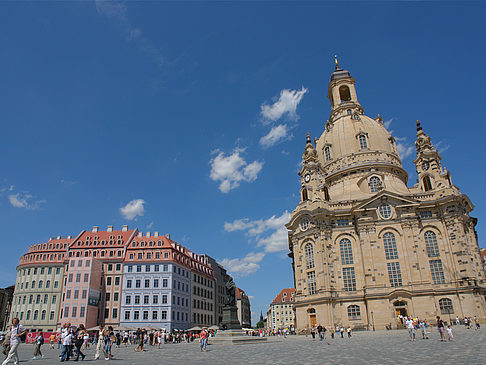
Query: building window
164	314
128	299
311	282
437	272
114	314
304	224
445	305
51	316
394	274
129	269
327	153
344	93
139	268
36	314
155	299
425	214
349	279
346	252
129	283
154	314
309	255
385	210
165	283
304	195
136	315
145	315
84	294
127	315
82	312
375	184
164	299
431	244
427	183
86	278
138	283
326	194
354	312
74	312
147	268
137	299
390	245
363	143
107	313
145	299
147	283
342	222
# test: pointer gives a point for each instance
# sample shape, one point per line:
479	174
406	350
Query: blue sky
196	113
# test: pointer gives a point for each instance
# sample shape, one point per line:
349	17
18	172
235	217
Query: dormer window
375	184
427	183
363	143
327	153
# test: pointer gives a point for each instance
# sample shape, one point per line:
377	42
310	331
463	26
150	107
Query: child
450	335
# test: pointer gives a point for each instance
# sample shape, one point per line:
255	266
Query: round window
385	211
304	224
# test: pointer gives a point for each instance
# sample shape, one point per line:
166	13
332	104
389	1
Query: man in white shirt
411	329
16	332
66	336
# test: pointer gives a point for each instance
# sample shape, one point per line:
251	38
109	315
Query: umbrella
214	327
195	329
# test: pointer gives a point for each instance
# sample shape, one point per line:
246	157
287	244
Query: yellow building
365	246
280	314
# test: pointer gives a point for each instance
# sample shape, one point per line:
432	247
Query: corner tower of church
366	248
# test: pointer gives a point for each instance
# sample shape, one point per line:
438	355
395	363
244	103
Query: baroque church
365	247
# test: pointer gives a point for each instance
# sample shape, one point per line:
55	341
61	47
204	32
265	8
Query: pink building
81	292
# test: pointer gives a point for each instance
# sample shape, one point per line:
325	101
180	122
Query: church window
374	184
342	222
363	143
425	214
309	255
390	245
326	194
394	274
431	244
346	252
349	278
427	183
344	93
304	224
445	305
304	195
349	111
311	282
327	153
385	210
354	312
437	272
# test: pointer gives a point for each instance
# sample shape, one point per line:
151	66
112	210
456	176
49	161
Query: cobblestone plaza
381	347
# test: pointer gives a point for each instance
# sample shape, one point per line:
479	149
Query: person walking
440	328
411	329
52	340
80	333
204	339
108	336
39	341
99	344
67	337
319	331
450	335
16	333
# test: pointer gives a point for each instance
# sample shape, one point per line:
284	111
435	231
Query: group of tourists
320	332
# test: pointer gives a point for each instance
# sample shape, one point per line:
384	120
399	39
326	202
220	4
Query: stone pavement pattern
381	347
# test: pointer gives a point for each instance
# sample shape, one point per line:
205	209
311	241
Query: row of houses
122	278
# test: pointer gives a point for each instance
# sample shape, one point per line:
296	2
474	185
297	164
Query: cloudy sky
190	118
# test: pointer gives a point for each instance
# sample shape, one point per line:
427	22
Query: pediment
385	196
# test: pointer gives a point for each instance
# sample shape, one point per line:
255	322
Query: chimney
58	237
167	235
156	234
69	237
147	234
124	228
110	229
140	234
95	229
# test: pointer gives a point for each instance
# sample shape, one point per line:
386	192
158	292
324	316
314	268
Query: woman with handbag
80	333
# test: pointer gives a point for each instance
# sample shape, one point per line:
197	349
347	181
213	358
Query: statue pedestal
231	332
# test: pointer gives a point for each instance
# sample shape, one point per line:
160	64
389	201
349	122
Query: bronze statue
230	300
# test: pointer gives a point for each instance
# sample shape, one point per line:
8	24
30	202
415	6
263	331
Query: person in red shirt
204	339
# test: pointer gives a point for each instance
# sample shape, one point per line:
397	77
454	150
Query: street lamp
373	321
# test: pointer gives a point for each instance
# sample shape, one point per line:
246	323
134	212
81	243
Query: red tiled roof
240	293
284	294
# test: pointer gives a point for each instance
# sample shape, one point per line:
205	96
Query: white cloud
404	149
274	242
232	169
277	134
25	201
388	122
133	209
244	266
286	104
442	146
150	225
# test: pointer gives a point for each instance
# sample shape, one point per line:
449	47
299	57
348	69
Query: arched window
363	143
390	245
40	284
48	284
431	244
375	184
346	252
354	312
309	255
427	183
36	314
326	194
27	316
445	305
43	315
304	195
327	153
344	93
